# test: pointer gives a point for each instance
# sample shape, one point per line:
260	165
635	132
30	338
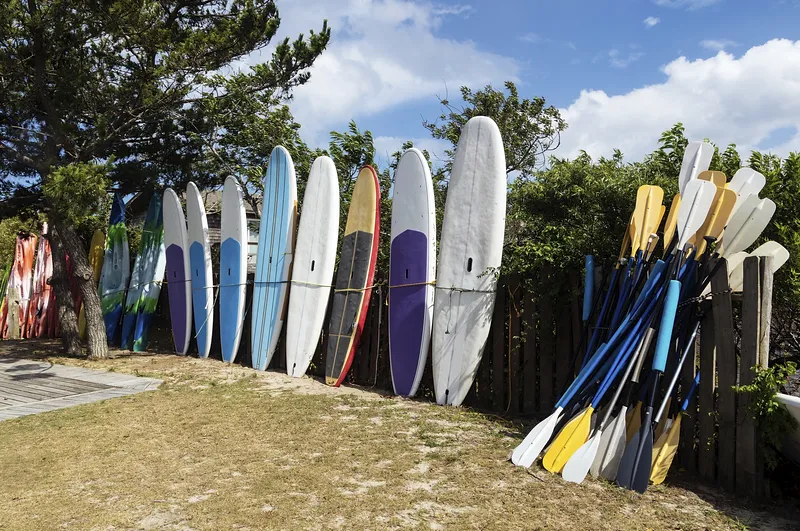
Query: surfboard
20	286
179	280
200	269
232	269
274	260
412	268
37	320
470	252
116	271
314	262
353	287
96	254
145	285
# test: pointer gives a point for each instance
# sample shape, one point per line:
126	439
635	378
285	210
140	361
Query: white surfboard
200	267
412	266
179	285
232	269
314	262
469	255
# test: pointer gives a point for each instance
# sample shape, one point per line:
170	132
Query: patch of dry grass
220	447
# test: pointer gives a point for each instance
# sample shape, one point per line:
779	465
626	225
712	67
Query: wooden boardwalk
28	387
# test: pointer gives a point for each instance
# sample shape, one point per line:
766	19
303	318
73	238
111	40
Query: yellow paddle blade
667	447
639	216
717	217
663	421
569	439
671	224
652	211
661	217
697	237
716	177
634	422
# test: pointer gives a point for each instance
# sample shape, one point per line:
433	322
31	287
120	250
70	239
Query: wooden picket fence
527	363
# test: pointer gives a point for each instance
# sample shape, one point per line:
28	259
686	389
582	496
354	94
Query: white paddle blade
747	230
777	251
577	467
745	182
612	446
696	159
696	200
536	440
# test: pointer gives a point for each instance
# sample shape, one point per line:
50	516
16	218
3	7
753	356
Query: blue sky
621	71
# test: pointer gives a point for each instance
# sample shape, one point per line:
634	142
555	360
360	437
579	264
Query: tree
136	80
530	128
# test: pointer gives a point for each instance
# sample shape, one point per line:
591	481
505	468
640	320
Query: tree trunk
67	313
82	271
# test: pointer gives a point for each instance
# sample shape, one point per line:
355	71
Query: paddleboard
116	271
314	262
274	259
470	252
96	254
354	278
412	268
232	269
179	282
145	286
200	269
36	325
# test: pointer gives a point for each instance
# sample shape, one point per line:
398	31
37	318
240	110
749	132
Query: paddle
696	159
634	468
717	218
613	439
746	225
588	288
671	223
777	251
578	465
746	182
531	446
716	177
668	442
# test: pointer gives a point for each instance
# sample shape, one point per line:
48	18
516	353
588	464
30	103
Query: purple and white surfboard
178	279
412	269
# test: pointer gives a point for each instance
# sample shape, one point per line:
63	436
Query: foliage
774	421
77	195
529	127
9	228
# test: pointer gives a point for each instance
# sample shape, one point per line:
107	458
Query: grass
223	447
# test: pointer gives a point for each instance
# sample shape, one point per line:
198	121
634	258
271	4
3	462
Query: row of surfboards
295	266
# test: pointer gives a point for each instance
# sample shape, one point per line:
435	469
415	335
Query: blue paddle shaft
588	287
692	389
665	328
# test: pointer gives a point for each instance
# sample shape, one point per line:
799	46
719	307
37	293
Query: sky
620	71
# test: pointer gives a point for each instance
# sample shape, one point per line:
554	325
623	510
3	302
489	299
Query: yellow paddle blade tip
569	439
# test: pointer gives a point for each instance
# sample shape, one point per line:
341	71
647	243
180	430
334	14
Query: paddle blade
569	439
746	182
672	221
634	422
716	177
652	213
667	448
530	447
778	253
696	200
747	225
633	475
612	446
696	159
578	465
717	218
638	219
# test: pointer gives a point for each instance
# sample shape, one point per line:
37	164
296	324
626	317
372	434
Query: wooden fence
527	363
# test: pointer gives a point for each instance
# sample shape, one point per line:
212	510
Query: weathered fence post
748	478
726	368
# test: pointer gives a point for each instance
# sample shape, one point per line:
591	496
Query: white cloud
691	5
619	60
649	22
717	45
382	54
530	37
725	98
